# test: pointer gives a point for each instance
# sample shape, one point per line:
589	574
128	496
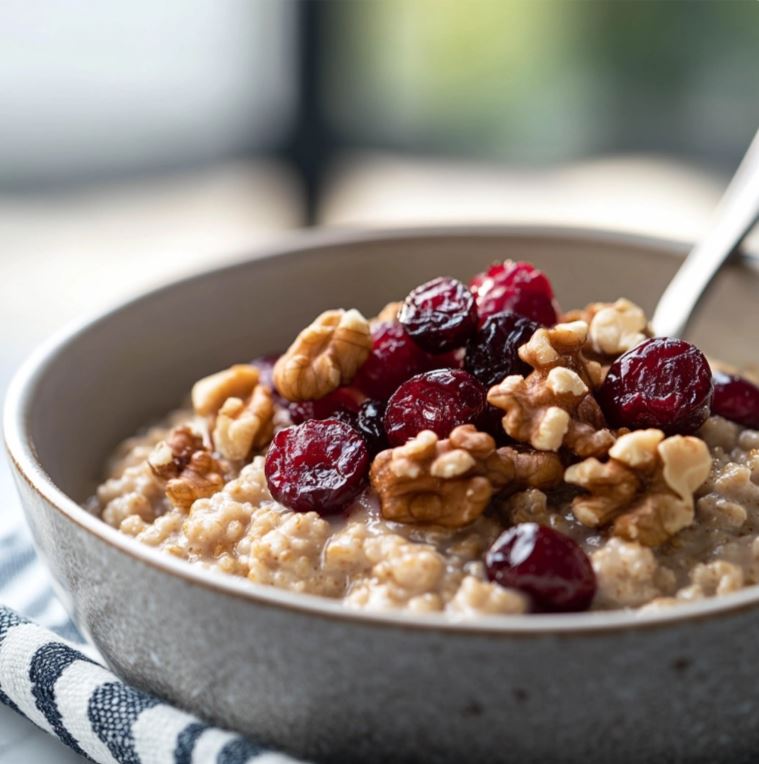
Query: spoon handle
736	214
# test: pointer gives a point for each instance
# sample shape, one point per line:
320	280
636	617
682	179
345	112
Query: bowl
300	672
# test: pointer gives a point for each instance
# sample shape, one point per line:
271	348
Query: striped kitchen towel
58	683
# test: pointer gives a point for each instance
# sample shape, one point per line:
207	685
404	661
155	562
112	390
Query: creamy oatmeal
470	451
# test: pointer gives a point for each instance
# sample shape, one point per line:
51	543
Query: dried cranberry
545	564
337	404
395	357
492	353
369	423
319	466
439	315
435	400
736	399
519	287
663	383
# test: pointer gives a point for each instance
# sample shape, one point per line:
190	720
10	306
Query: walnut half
450	482
645	489
325	355
553	407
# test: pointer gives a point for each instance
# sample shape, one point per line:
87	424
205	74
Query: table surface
22	743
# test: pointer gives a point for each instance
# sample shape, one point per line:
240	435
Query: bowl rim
20	397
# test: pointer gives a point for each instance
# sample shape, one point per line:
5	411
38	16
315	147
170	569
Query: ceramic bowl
302	673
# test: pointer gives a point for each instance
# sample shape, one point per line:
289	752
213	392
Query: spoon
736	214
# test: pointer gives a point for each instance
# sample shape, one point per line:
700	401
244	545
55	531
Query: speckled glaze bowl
301	672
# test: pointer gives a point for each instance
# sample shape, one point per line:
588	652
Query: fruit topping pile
460	396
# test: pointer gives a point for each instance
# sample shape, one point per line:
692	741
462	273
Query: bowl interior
137	362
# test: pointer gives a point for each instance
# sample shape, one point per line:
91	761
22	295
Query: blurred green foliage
544	80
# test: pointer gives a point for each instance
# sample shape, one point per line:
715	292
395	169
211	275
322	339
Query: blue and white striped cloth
51	676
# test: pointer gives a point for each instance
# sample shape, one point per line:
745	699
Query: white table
22	743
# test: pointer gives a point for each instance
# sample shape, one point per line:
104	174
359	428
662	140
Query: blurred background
142	140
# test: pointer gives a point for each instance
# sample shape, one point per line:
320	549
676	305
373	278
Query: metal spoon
736	214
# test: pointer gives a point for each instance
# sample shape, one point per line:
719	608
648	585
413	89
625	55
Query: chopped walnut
613	328
450	482
243	426
646	488
188	467
209	393
617	328
169	457
553	406
201	478
325	355
563	346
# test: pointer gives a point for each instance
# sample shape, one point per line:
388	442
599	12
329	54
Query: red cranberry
318	466
395	357
519	287
663	383
492	353
338	403
439	315
737	399
545	564
369	424
436	400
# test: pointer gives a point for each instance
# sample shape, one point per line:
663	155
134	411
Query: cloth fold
59	685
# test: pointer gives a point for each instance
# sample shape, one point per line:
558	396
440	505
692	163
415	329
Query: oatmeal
470	451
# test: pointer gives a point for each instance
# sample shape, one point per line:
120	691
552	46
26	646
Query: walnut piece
325	355
646	488
189	469
209	393
553	406
201	478
243	426
450	482
169	457
613	328
617	328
